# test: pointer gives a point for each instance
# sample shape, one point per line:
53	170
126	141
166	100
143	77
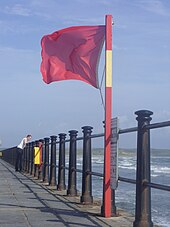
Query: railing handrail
143	145
158	125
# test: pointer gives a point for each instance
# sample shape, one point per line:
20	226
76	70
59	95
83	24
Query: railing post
41	141
29	156
86	197
61	169
46	161
27	159
143	192
32	158
26	164
36	167
14	155
72	176
24	159
53	162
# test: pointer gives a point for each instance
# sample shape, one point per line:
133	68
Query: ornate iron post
24	159
61	169
40	174
53	162
86	197
36	167
143	192
72	176
32	158
46	161
29	151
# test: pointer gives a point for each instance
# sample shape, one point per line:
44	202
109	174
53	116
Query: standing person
20	147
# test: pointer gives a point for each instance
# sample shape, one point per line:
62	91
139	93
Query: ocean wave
154	175
126	164
161	222
160	157
156	169
127	167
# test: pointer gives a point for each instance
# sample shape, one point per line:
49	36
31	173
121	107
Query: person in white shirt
19	152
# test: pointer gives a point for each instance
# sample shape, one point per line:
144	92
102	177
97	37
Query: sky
141	69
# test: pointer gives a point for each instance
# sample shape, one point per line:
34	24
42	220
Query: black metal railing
46	170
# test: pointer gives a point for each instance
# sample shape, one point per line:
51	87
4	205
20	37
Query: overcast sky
141	68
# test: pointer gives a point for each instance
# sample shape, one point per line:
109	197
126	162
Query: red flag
72	53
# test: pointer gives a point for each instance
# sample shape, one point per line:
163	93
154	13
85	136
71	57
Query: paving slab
25	201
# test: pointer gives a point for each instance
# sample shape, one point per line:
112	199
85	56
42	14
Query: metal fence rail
46	169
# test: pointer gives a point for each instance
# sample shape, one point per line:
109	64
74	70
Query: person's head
29	137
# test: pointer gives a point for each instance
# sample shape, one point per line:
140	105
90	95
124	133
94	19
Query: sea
125	192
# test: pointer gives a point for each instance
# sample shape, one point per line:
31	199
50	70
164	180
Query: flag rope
100	87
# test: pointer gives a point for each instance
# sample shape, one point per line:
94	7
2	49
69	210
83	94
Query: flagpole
106	209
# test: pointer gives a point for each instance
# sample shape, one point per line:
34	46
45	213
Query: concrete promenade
24	201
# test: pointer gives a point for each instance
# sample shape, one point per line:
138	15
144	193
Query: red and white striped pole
106	209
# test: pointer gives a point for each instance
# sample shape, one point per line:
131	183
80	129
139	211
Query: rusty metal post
53	161
143	192
86	197
61	169
72	176
46	161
